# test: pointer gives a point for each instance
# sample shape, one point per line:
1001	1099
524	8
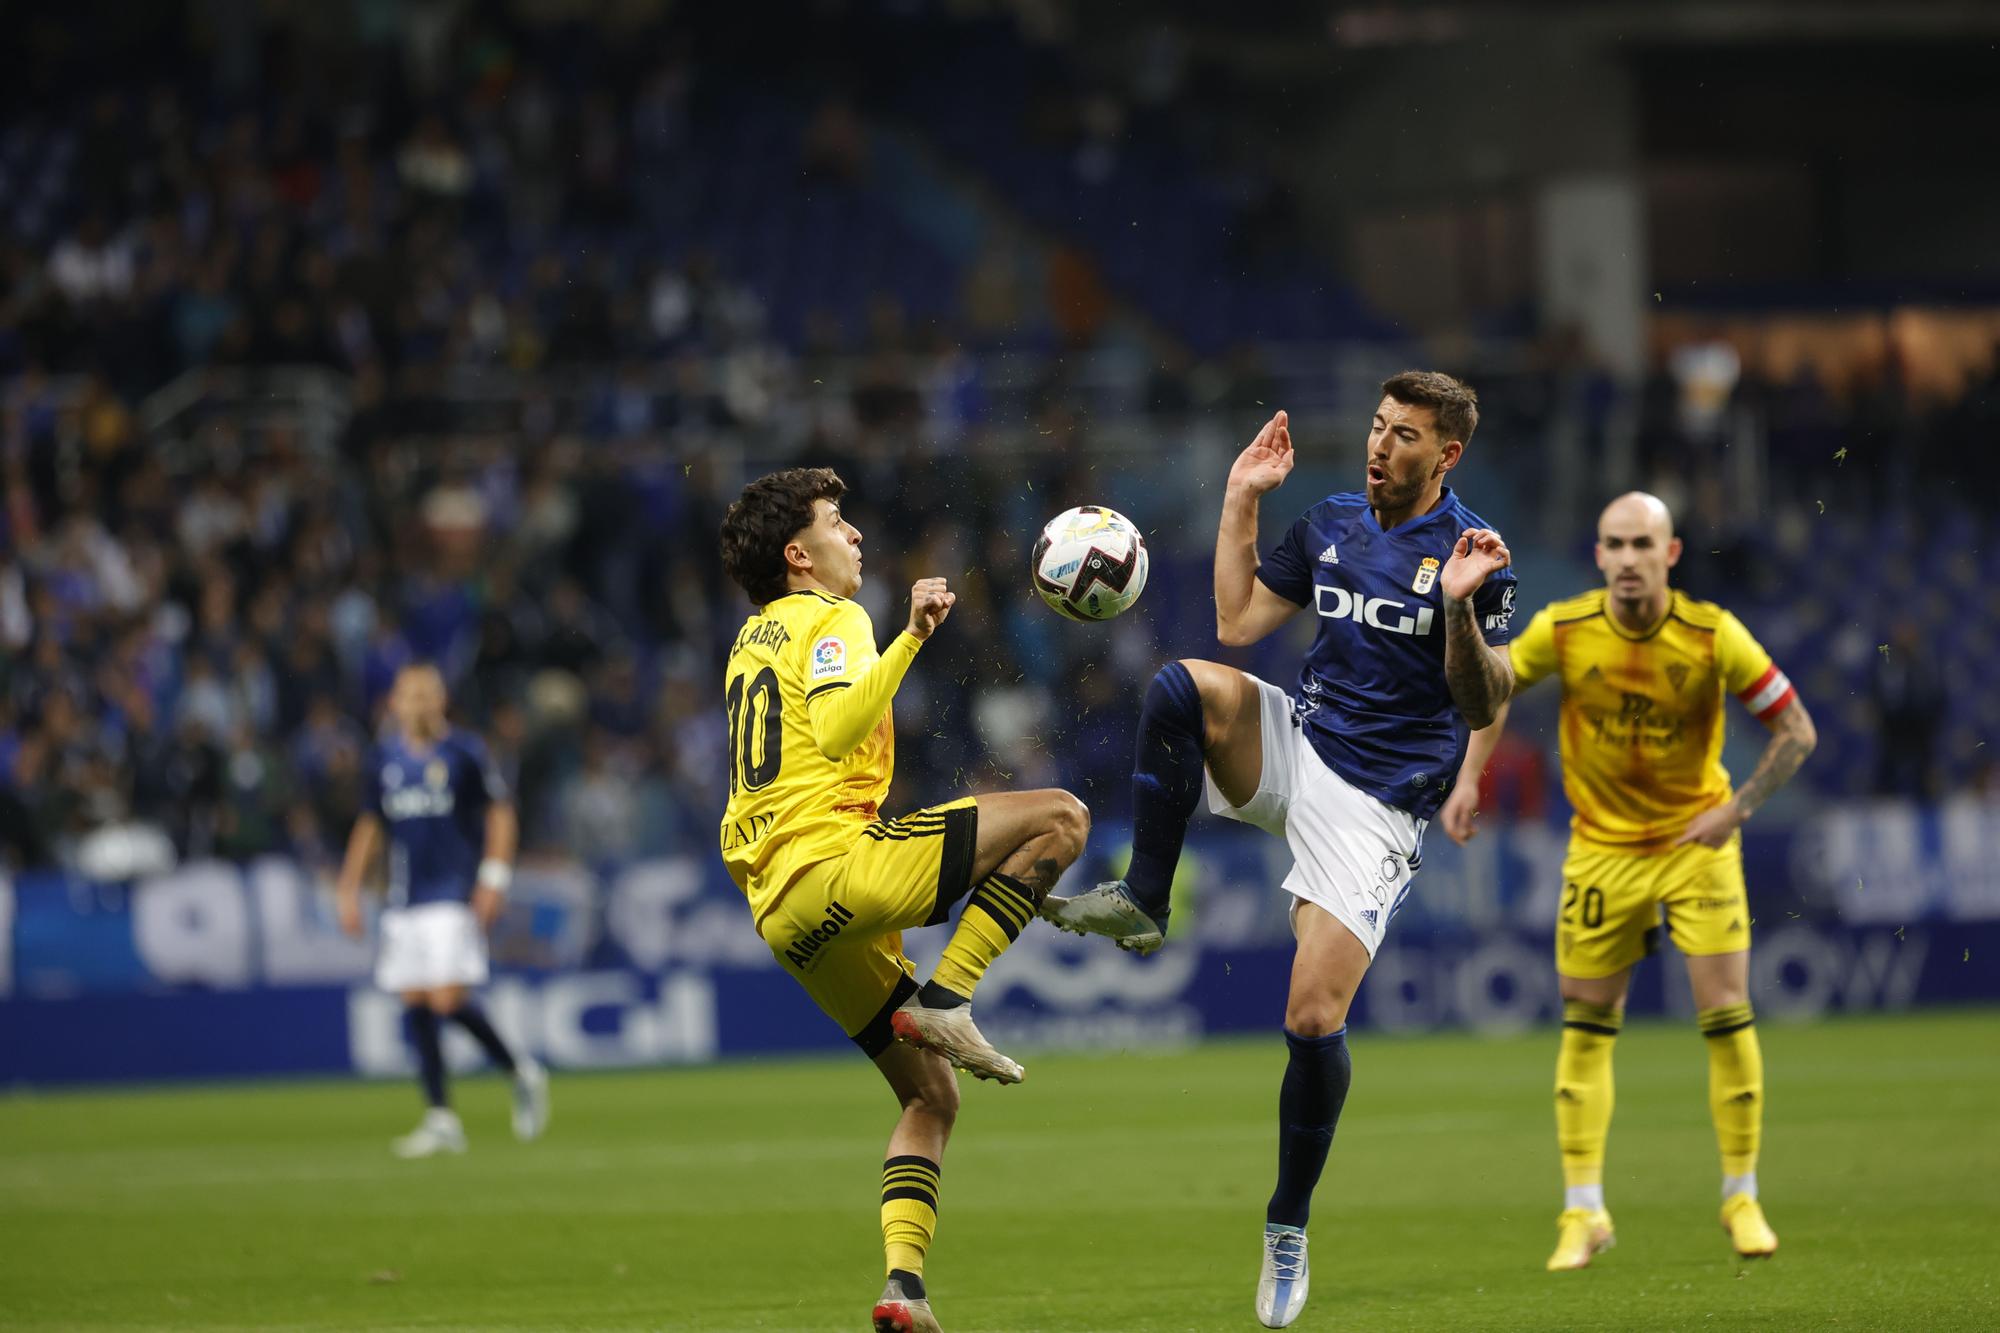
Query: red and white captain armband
496	875
1769	694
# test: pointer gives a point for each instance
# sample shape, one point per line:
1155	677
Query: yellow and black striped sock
994	917
909	1211
1584	1093
1735	1085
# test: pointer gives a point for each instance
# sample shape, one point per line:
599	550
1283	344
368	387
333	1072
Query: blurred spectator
92	266
834	147
570	296
1910	707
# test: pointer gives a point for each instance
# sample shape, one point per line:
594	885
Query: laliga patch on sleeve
829	658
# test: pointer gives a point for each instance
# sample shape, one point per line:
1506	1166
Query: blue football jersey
434	800
1372	694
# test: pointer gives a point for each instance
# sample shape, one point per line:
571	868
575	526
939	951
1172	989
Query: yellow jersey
1641	731
811	745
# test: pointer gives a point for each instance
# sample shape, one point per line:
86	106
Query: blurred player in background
1644	669
451	834
832	885
1412	591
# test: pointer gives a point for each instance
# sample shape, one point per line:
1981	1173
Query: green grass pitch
1108	1193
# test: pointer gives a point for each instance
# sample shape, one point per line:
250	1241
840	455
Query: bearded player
1413	597
832	884
1645	672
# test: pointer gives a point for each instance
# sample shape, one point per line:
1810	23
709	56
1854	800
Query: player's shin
1584	1098
422	1025
993	917
1166	784
1735	1092
909	1218
1317	1075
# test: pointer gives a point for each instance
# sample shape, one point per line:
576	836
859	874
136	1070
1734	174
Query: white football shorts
1351	854
430	945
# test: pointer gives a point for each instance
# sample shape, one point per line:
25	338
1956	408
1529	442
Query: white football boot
897	1313
1282	1286
952	1034
1109	910
531	1099
438	1132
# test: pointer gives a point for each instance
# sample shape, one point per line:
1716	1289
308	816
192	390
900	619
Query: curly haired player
832	884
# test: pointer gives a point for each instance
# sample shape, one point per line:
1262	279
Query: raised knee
1209	678
1071	820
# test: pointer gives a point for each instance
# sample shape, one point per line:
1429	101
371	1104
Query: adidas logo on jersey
1329	556
1368	915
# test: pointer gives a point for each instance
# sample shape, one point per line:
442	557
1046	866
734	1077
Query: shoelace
1287	1253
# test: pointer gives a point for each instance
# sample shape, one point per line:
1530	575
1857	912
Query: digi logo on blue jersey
1372	695
1340	604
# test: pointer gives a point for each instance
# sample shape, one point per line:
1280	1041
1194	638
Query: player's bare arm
1793	739
496	862
362	845
1479	676
1460	812
1246	610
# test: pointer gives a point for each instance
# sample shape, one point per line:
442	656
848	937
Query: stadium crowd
197	640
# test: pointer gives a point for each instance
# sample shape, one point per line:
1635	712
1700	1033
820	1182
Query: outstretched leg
1195	715
1025	841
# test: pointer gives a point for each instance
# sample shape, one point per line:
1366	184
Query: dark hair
771	511
1452	401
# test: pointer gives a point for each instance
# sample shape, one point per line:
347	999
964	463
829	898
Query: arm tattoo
1788	747
1480	678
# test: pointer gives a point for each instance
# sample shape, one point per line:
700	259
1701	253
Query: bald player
1644	671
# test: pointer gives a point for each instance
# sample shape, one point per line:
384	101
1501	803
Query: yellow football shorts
839	928
1612	903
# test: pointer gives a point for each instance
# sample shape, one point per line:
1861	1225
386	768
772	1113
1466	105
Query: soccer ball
1090	563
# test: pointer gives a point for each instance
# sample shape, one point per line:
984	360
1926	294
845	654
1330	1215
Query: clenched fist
930	603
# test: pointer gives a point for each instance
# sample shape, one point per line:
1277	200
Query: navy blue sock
423	1029
1309	1104
1166	783
473	1019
